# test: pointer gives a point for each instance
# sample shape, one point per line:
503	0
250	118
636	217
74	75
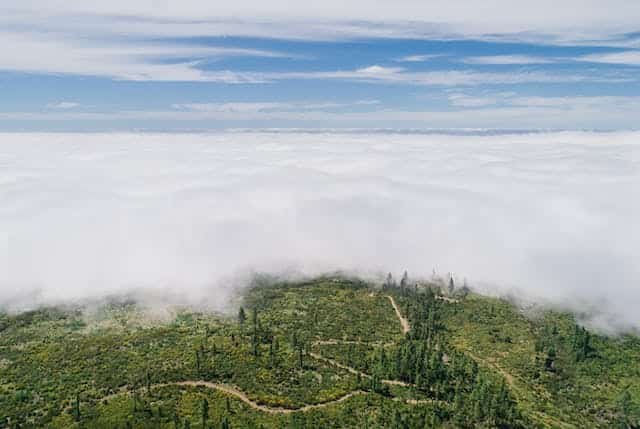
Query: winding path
333	342
403	321
233	391
546	419
356	372
230	390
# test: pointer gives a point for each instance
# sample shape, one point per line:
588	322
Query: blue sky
197	66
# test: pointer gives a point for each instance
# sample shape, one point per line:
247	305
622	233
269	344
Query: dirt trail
233	391
356	372
271	410
508	377
230	390
403	321
546	419
333	342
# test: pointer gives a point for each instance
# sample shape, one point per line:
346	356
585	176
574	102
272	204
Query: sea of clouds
546	216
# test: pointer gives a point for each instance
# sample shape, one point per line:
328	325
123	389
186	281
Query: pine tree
204	413
225	423
254	319
241	317
549	363
272	354
76	408
389	284
404	282
300	362
254	346
135	400
276	349
624	406
148	378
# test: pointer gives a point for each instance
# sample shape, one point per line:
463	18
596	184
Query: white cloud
549	214
570	18
63	105
420	58
507	60
488	110
133	60
462	100
114	39
381	74
242	108
147	61
376	70
631	58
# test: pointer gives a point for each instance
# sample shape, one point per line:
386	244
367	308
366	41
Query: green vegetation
324	353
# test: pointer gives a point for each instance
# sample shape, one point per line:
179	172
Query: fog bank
552	216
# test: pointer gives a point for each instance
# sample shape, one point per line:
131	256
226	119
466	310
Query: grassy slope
582	394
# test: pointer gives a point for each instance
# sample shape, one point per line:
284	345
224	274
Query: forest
329	352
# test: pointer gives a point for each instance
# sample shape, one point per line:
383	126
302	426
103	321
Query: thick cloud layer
551	215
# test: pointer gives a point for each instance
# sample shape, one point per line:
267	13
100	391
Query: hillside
323	353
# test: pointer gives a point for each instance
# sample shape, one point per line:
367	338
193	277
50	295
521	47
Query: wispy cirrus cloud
63	105
383	74
131	40
631	58
483	111
508	60
137	60
570	20
419	58
268	107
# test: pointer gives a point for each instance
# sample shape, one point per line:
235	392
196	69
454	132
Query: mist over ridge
549	216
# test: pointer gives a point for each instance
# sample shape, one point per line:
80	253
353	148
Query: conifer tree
254	318
389	284
76	407
404	282
204	412
300	362
241	317
225	423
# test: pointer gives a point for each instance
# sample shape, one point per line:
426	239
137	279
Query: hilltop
330	352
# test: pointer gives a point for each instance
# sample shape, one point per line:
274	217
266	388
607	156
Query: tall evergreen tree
204	412
254	318
241	317
76	407
225	423
300	362
404	282
389	283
